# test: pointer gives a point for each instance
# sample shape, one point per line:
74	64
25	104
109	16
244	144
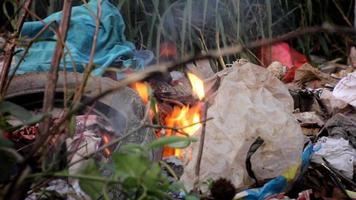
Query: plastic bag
249	103
345	90
284	54
338	152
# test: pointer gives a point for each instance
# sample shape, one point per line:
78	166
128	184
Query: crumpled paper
345	90
249	103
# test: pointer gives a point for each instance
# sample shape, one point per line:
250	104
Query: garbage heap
285	131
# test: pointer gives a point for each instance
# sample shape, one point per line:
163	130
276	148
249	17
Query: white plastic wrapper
338	152
249	103
345	90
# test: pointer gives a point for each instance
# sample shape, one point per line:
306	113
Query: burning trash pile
283	131
292	138
259	136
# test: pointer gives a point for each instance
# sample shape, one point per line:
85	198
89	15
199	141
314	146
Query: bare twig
117	140
55	31
172	101
200	151
10	49
53	72
90	66
178	129
213	54
32	40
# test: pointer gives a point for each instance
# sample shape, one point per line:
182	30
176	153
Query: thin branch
212	54
178	129
55	31
11	48
90	66
200	150
117	140
32	40
53	72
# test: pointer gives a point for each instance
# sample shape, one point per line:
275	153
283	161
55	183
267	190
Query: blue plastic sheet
111	42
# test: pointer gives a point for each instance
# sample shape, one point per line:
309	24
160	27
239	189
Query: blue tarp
111	43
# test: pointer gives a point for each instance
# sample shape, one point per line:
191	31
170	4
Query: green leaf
130	165
72	125
93	188
130	182
20	113
191	197
177	186
132	148
172	141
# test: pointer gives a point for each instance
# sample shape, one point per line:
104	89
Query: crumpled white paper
338	152
249	103
345	89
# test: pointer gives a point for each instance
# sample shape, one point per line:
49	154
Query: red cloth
286	55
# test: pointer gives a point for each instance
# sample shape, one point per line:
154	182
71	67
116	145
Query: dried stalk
53	72
178	129
32	40
200	151
213	54
10	49
117	140
90	66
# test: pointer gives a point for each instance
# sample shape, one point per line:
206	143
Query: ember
106	140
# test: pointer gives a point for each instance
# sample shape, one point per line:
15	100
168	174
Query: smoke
235	20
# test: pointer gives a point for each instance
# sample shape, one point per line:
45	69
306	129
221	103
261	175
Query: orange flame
106	140
197	85
143	90
187	120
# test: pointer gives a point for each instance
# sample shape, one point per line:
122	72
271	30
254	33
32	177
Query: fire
197	85
106	140
143	90
186	119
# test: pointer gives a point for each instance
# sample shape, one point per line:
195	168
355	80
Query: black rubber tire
123	109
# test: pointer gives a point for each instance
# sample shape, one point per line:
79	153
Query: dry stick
90	66
221	59
34	15
117	140
32	40
178	128
161	68
200	151
213	54
53	72
62	42
149	71
10	49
